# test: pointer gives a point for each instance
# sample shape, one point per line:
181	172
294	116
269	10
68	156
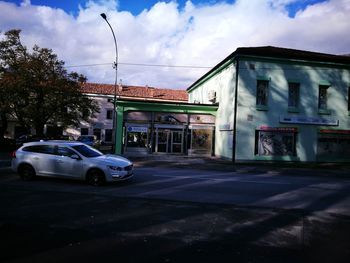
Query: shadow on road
67	227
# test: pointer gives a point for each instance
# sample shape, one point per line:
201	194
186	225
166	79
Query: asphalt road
291	189
178	214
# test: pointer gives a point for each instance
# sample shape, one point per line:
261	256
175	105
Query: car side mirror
75	157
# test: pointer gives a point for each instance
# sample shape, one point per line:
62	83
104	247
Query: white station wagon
67	159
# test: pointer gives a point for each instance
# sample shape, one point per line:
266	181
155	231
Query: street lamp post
103	15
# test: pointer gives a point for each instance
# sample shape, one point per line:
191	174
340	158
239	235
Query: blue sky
137	6
196	33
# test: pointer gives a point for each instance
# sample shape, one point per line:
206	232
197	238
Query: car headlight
115	168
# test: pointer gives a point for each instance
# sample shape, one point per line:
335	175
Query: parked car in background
68	159
88	140
27	138
34	138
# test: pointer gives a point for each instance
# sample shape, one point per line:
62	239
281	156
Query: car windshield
87	151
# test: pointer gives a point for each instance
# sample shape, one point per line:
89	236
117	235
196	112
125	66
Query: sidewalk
214	163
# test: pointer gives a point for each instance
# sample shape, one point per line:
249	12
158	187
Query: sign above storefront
137	129
347	132
278	129
309	120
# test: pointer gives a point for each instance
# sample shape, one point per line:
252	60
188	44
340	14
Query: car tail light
13	154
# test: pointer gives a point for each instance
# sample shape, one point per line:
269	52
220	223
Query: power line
138	64
191	67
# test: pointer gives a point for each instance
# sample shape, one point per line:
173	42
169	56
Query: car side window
46	149
64	151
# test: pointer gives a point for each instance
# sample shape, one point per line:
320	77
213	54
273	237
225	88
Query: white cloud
165	34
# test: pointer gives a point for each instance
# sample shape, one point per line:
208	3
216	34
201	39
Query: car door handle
59	161
36	158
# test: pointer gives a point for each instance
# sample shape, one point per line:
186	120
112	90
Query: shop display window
333	145
275	142
201	140
137	139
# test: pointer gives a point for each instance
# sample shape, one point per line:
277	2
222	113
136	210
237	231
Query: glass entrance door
176	141
162	139
169	141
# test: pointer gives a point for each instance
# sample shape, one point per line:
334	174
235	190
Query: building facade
149	121
102	124
279	104
159	127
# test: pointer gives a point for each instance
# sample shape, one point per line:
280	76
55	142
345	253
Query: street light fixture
115	66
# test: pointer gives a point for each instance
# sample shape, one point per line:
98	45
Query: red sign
335	131
278	129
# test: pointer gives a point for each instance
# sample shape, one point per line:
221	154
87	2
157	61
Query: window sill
324	112
293	110
262	108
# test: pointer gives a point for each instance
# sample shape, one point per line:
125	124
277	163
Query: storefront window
276	142
201	141
137	139
168	133
333	145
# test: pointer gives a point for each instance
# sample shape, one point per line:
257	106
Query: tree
37	89
10	52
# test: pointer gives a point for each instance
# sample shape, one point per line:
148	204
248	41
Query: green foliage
36	88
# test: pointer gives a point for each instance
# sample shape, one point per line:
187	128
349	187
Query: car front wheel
96	177
26	172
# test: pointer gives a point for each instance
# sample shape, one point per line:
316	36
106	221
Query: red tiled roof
136	92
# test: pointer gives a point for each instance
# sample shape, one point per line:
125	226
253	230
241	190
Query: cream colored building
279	104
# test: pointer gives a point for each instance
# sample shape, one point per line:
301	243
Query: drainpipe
235	114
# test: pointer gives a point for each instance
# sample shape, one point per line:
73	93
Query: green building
278	104
164	127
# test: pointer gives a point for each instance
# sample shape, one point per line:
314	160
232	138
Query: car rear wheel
26	172
96	177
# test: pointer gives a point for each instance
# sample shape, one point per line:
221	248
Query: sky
170	44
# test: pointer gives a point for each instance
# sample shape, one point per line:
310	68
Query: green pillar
119	127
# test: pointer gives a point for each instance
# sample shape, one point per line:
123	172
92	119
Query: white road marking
224	179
